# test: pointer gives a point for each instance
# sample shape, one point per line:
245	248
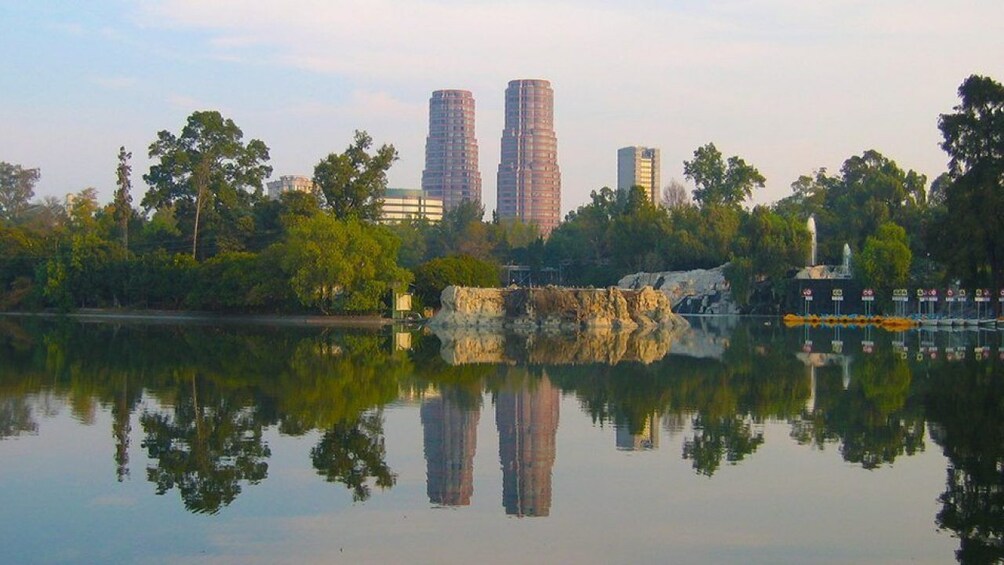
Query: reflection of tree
331	380
207	448
352	452
730	437
875	419
965	406
758	378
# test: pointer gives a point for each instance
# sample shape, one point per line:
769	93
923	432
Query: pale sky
789	85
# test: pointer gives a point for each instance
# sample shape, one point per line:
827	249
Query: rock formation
566	309
701	291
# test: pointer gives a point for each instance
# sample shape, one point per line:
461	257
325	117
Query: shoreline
180	316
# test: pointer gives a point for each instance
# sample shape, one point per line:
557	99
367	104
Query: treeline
205	237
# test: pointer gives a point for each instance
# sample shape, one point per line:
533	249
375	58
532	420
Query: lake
738	441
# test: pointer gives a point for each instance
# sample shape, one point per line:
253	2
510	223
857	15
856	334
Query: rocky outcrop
701	291
461	346
568	309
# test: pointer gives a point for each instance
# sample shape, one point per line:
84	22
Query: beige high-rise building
451	150
529	181
289	183
639	166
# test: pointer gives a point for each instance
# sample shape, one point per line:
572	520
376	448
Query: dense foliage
433	276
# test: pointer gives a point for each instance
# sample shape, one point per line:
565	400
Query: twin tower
529	182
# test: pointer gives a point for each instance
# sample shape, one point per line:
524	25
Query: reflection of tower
674	423
528	423
810	404
450	438
646	439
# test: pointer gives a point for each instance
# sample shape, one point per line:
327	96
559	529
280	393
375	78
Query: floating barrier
891	322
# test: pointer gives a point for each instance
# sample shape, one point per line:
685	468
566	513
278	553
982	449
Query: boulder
700	291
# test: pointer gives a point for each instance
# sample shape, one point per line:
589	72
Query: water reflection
527	421
205	399
450	439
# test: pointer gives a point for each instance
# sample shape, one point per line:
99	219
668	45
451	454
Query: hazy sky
789	85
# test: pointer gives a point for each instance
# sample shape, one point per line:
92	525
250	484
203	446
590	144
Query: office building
529	182
451	150
639	166
287	183
401	204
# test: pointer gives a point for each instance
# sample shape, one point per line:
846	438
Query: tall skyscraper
639	166
450	437
527	422
451	150
529	182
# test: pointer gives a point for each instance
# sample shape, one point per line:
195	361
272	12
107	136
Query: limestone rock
554	308
700	291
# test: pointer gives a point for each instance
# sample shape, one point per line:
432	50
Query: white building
639	166
287	183
401	204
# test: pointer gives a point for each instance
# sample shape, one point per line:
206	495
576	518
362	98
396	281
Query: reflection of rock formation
528	423
450	438
646	439
568	309
460	347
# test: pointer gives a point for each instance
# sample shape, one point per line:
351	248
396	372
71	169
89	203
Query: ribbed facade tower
451	150
529	182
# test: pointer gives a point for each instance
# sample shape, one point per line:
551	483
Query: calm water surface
737	442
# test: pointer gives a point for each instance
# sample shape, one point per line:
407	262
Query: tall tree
206	170
17	187
675	194
974	139
353	183
344	265
884	263
719	181
123	198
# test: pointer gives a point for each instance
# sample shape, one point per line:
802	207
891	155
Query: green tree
123	198
17	188
207	171
718	181
435	275
340	264
974	140
75	272
884	263
870	190
353	183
